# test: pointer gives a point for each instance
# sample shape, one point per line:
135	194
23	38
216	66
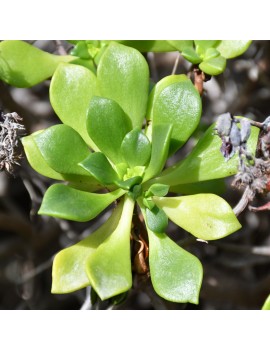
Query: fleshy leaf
176	274
136	148
109	268
107	125
157	45
129	183
232	48
156	219
123	75
205	162
213	66
203	45
181	44
89	64
206	216
211	53
69	265
99	167
174	100
148	203
266	305
62	148
39	164
134	172
214	186
81	50
36	159
24	65
149	45
157	190
161	136
62	201
135	192
191	55
71	90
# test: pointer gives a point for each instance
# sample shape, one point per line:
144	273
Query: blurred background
236	268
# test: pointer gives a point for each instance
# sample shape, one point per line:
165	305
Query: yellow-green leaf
174	100
71	90
109	268
69	265
62	201
206	216
24	65
123	76
233	48
176	274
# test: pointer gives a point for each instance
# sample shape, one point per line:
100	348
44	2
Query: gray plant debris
10	131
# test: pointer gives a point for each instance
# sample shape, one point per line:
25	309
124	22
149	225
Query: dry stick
176	64
60	48
39	269
242	204
87	305
30	189
256	124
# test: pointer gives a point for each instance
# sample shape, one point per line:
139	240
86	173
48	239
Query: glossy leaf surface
176	274
203	45
233	48
157	45
81	50
213	66
149	45
181	44
109	268
62	201
156	219
36	159
99	167
62	148
191	55
136	148
161	136
38	163
129	183
174	100
211	53
205	162
69	265
206	216
107	125
157	190
24	65
71	90
148	203
89	64
123	76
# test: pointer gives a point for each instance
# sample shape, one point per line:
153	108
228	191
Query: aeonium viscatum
103	154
